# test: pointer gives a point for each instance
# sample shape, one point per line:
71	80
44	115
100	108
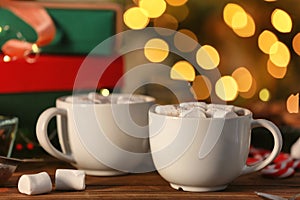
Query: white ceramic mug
101	139
205	154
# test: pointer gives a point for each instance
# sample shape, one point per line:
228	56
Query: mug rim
247	113
148	99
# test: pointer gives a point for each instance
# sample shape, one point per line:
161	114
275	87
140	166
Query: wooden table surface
147	186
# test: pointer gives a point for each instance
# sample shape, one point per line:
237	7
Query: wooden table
147	186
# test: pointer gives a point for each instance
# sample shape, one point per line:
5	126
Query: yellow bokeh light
280	54
230	11
167	22
270	0
239	20
207	57
154	8
265	41
183	70
6	58
296	43
156	50
176	2
104	92
251	92
182	43
179	12
135	18
248	30
264	94
243	78
201	87
281	21
226	88
292	103
275	71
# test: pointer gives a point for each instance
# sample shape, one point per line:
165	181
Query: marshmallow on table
69	179
32	184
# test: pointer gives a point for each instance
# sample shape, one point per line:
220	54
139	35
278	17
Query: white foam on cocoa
198	110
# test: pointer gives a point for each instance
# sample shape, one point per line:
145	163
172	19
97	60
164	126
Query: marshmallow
78	99
193	112
189	105
170	110
35	183
69	179
97	98
127	99
223	114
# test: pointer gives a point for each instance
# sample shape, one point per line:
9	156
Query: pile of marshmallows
200	110
40	183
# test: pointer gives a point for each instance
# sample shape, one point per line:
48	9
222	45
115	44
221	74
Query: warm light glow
156	50
239	20
264	94
281	21
292	103
250	93
153	8
270	0
243	78
104	92
167	22
226	88
230	11
182	43
179	12
248	30
176	2
201	87
135	18
265	40
280	54
35	48
6	58
183	70
275	71
0	29
207	57
296	43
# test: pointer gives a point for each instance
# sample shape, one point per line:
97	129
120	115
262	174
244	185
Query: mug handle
276	149
42	133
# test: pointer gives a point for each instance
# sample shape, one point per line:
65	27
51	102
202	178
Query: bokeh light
239	20
275	71
243	78
207	57
153	8
183	70
104	92
265	41
251	92
135	18
176	2
292	103
248	30
201	87
296	43
281	21
6	58
226	88
156	50
182	43
264	94
167	24
280	54
230	11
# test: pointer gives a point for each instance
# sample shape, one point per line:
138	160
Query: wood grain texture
147	186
